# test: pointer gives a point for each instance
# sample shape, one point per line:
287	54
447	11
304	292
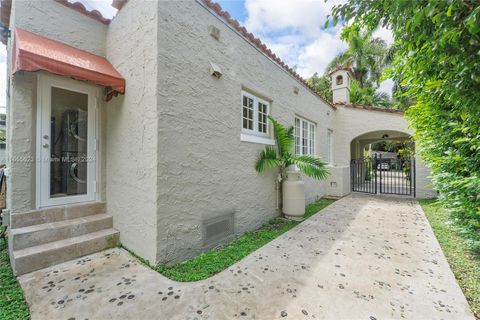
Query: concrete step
48	232
48	215
48	254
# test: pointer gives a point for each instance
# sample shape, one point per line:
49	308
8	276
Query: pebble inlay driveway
363	257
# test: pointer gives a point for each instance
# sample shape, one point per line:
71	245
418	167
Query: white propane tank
293	195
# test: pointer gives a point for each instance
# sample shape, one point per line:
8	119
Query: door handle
45	145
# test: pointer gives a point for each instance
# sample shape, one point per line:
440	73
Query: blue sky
292	29
236	8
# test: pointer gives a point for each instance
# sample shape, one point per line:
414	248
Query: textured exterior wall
41	17
203	168
132	128
355	122
423	185
21	133
341	91
58	22
171	152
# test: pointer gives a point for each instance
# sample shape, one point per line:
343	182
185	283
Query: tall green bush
437	57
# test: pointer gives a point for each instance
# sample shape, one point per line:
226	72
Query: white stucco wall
58	22
340	91
353	123
132	128
203	166
172	155
40	17
21	133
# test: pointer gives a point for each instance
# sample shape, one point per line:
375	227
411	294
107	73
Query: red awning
32	52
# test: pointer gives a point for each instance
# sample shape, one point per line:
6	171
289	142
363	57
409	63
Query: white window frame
44	84
254	135
309	129
330	146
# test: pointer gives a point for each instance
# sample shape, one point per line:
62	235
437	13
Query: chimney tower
341	85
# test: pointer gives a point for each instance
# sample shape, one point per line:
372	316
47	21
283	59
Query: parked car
383	166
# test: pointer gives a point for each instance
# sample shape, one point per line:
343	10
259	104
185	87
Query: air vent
218	230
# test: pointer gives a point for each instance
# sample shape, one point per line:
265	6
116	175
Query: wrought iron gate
385	176
363	176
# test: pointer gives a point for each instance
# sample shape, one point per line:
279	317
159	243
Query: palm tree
368	96
365	55
282	157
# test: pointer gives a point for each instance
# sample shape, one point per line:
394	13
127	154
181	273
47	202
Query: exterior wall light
215	70
214	32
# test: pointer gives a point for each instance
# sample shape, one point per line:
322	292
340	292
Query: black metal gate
383	175
363	176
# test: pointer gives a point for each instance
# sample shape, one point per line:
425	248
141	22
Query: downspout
278	181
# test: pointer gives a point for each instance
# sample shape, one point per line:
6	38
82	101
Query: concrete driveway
363	257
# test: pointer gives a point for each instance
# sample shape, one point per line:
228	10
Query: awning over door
32	52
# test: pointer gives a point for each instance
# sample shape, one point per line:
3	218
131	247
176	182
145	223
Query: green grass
216	260
464	263
12	303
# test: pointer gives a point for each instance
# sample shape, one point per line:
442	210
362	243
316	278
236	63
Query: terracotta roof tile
217	9
371	108
79	7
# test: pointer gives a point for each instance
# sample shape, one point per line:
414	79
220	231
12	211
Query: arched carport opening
363	143
383	161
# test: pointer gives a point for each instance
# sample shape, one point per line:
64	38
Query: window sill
256	139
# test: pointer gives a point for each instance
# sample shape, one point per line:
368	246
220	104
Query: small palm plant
283	156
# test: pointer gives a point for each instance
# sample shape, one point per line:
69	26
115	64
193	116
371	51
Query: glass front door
67	142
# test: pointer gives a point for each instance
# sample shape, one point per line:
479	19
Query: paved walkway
362	257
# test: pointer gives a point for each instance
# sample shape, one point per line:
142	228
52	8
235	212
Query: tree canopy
367	57
437	58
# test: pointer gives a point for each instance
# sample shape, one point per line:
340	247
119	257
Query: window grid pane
312	139
304	137
297	136
329	147
247	113
255	114
262	117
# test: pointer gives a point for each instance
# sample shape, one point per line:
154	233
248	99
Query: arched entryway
383	162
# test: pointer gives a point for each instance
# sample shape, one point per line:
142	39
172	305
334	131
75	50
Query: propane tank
293	195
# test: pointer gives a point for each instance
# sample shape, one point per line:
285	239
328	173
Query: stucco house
146	128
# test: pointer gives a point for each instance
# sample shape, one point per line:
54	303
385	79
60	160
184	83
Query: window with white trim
305	136
254	117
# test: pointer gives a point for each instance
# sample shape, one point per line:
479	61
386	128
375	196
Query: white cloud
384	34
303	16
294	31
386	86
317	55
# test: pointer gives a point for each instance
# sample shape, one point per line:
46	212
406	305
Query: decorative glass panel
68	143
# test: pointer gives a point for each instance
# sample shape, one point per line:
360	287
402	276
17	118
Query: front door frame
44	84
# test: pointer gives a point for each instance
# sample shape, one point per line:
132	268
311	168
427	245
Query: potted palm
290	165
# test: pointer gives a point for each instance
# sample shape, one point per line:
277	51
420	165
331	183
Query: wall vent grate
217	230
